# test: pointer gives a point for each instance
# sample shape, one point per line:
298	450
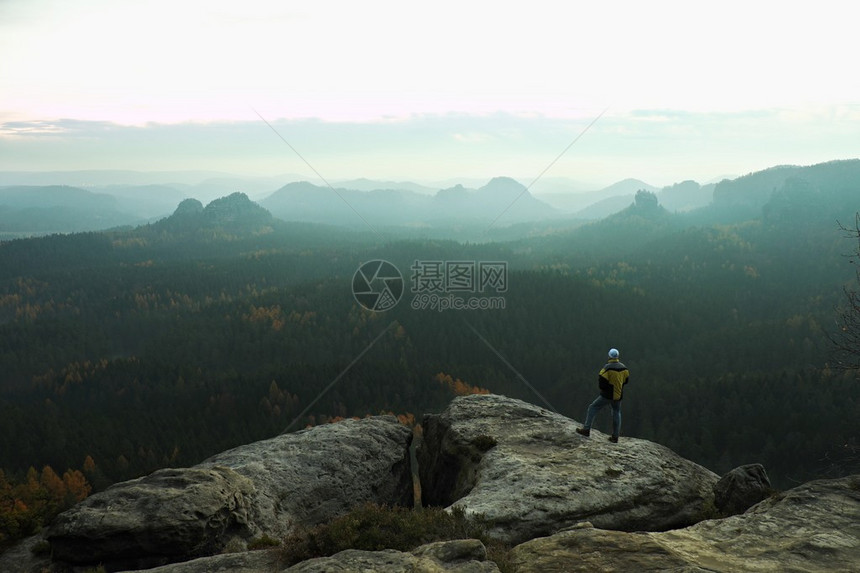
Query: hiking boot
583	432
613	439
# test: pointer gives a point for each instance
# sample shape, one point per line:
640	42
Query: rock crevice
539	476
567	503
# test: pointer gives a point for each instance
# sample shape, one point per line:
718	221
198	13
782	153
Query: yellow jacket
612	379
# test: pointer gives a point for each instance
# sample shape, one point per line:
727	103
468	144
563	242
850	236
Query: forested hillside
165	344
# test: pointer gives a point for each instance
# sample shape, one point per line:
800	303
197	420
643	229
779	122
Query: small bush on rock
263	542
41	549
373	527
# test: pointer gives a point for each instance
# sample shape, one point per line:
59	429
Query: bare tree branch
846	338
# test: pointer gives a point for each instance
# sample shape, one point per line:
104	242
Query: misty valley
148	326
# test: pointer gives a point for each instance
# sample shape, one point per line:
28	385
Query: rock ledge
527	471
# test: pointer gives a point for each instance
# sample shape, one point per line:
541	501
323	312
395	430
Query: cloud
30	128
657	145
55	128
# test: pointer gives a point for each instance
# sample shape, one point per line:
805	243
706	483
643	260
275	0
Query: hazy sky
428	91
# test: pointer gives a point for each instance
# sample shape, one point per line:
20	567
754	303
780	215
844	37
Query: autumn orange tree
458	387
26	506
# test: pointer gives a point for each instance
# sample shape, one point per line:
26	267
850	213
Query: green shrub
41	548
500	554
708	511
263	542
373	527
234	545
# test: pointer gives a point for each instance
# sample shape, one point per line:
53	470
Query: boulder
245	562
461	556
170	515
586	549
27	556
813	528
526	471
264	488
311	476
741	488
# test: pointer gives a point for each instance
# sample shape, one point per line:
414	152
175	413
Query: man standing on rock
611	380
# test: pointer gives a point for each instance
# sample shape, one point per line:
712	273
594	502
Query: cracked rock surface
527	471
814	527
263	488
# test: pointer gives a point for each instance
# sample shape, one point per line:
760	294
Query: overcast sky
428	91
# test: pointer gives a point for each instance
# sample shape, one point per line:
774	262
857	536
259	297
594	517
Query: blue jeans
598	405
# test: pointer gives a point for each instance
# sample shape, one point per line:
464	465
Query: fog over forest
721	297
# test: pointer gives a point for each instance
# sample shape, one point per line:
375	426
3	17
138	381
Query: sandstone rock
21	558
590	550
267	487
170	515
528	472
453	551
189	207
247	562
462	556
811	528
741	488
312	476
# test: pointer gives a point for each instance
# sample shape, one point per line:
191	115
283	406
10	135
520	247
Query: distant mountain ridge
686	196
364	184
502	205
755	190
236	213
502	199
593	205
28	210
605	201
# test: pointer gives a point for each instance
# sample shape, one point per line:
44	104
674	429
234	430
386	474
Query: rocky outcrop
312	476
169	515
264	488
235	209
188	207
459	556
462	556
812	528
586	549
26	557
741	488
529	474
245	562
572	504
234	215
